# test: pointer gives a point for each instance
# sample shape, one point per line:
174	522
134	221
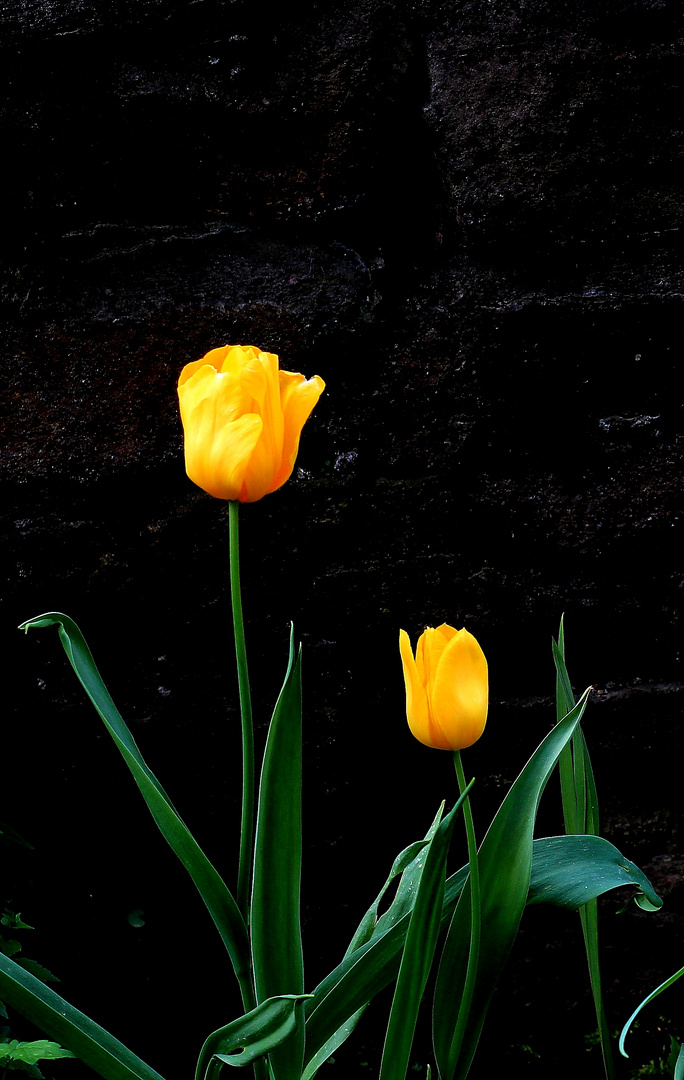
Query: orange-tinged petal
298	397
459	691
242	419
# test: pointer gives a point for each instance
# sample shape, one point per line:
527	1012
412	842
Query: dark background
466	218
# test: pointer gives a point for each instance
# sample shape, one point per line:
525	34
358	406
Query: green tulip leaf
328	1049
593	866
505	861
654	994
418	951
69	1027
581	815
410	867
405	893
568	871
275	917
258	1032
409	883
212	888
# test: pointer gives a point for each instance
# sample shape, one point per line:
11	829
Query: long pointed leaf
580	812
505	860
275	918
589	867
212	888
251	1036
654	994
71	1028
419	949
410	866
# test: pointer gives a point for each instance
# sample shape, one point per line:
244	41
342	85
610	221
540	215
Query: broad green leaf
410	867
32	1052
251	1036
505	860
654	994
570	870
555	879
69	1027
418	951
212	888
275	918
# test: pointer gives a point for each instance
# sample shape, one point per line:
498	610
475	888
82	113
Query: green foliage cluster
15	1054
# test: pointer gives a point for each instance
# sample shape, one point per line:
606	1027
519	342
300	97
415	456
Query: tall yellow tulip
242	419
446	687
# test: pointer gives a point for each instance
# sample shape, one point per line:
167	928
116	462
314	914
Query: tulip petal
298	397
459	691
417	710
232	358
259	379
242	419
218	441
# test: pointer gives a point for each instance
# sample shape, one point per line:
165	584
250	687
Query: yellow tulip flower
242	419
446	687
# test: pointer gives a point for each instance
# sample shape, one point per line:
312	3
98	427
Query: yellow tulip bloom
446	687
242	419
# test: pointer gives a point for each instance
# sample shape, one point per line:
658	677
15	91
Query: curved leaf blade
275	917
251	1036
69	1027
362	974
418	951
570	870
654	994
212	888
505	860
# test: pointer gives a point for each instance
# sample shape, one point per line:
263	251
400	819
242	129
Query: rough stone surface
466	218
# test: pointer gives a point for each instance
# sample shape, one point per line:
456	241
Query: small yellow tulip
242	419
446	687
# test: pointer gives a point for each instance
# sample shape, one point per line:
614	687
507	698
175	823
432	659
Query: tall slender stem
244	886
475	917
247	823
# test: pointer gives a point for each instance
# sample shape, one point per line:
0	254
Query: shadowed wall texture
464	216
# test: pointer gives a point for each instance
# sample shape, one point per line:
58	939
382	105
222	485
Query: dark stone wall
466	218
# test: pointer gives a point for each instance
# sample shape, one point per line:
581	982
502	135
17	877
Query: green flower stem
475	915
247	824
244	886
